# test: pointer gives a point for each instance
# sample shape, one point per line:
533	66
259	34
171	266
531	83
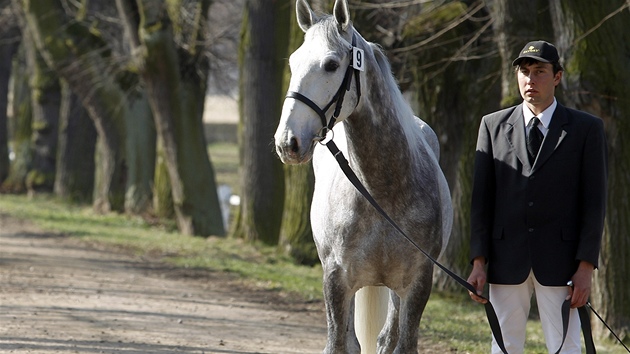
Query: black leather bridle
337	98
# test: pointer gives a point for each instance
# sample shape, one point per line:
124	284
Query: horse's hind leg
339	316
388	338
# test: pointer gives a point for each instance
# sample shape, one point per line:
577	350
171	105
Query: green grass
456	320
450	320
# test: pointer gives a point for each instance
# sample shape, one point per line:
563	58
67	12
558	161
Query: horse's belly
369	259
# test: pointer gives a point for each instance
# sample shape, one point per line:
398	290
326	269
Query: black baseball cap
538	50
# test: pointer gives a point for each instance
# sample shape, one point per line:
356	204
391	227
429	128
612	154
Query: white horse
394	154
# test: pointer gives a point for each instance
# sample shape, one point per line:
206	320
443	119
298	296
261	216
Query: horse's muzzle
292	152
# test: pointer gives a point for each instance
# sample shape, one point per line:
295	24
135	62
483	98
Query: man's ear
557	78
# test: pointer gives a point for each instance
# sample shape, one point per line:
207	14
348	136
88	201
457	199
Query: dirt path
58	295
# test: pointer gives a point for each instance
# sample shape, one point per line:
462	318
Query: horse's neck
381	147
377	144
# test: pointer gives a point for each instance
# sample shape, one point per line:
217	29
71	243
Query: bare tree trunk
82	58
163	196
74	180
264	40
10	39
141	133
45	101
141	155
594	42
175	80
20	117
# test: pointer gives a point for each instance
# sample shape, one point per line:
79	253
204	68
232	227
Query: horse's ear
342	14
305	16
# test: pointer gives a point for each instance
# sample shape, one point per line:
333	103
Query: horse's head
318	70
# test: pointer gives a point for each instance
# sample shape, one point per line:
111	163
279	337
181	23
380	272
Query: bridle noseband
337	98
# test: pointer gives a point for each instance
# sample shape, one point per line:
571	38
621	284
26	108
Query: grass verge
256	263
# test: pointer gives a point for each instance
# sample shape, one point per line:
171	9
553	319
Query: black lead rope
490	313
584	314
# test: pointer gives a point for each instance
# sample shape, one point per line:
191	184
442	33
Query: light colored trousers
512	304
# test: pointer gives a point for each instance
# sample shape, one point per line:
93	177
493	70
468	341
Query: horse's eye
331	66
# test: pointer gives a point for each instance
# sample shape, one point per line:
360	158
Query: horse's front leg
339	314
411	307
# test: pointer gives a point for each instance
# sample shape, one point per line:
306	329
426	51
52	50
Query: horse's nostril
279	150
294	145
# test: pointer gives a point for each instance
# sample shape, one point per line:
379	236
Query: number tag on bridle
358	60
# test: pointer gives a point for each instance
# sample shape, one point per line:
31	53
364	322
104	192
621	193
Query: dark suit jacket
545	217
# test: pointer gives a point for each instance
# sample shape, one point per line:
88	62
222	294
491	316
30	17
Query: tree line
102	101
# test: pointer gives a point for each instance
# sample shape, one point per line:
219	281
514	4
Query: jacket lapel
554	136
515	134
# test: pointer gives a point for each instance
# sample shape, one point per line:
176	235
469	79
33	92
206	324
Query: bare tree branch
391	4
594	28
455	23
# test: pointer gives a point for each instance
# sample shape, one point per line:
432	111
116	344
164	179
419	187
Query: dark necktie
534	139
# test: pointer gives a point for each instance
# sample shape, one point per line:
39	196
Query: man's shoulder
578	116
501	115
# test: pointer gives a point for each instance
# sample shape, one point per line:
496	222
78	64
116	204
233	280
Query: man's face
537	83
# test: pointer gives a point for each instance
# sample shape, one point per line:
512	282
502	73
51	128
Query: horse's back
429	136
432	140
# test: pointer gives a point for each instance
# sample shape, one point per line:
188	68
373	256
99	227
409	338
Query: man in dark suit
537	216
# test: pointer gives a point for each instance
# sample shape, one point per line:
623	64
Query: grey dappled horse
395	155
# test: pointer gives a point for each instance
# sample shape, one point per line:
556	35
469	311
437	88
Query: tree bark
20	118
82	58
45	101
175	80
163	197
140	127
10	39
141	155
594	43
264	40
74	180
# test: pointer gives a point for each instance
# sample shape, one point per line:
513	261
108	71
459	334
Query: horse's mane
404	113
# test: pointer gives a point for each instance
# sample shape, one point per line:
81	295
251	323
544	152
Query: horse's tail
370	313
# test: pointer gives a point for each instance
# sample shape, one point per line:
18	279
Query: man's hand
581	289
477	279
